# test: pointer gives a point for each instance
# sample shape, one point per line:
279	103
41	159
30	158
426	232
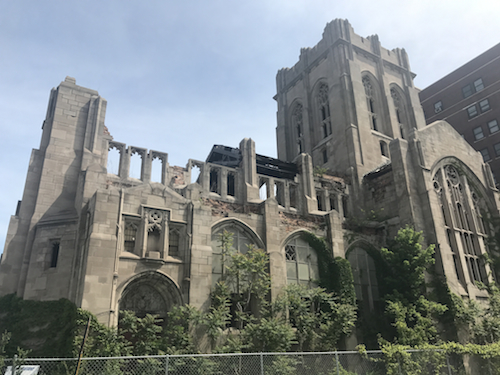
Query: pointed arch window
324	110
370	102
400	111
465	230
301	262
365	277
298	125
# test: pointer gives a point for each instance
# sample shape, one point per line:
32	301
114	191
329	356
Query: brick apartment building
469	99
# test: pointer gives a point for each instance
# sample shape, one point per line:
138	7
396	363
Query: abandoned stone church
107	241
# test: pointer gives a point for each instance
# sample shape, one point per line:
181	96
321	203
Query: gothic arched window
301	262
370	102
365	277
465	230
400	111
240	238
298	125
324	110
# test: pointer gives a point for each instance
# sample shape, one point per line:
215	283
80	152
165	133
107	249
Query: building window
484	105
130	236
324	110
54	255
365	278
493	126
497	149
301	263
173	243
239	244
400	110
486	154
472	111
478	85
383	149
461	207
370	101
319	198
438	107
325	156
298	124
467	91
478	133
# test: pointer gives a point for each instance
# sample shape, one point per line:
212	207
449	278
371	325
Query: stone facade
110	241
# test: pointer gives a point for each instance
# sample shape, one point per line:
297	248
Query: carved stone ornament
451	174
323	94
155	220
368	86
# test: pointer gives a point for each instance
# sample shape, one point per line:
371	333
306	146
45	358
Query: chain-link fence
330	363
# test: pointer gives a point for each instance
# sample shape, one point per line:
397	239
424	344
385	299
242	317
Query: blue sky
180	76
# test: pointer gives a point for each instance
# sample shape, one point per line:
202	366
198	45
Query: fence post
261	363
166	364
337	362
448	364
14	370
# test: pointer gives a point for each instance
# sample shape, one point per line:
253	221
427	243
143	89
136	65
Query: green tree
412	315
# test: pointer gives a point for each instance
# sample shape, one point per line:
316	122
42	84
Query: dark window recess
293	195
325	156
214	181
383	149
320	201
333	202
230	184
345	206
438	107
54	255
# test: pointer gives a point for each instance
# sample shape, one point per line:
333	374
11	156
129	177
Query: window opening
324	109
493	126
230	185
293	195
319	198
130	236
478	85
438	107
467	91
173	243
365	278
325	156
54	256
462	226
156	169
484	105
383	149
345	206
497	149
263	189
333	202
135	165
301	263
472	111
478	133
214	181
114	157
195	173
279	193
486	154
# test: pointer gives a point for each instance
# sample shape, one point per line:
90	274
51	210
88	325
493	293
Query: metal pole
166	364
448	364
337	362
261	363
87	329
14	369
